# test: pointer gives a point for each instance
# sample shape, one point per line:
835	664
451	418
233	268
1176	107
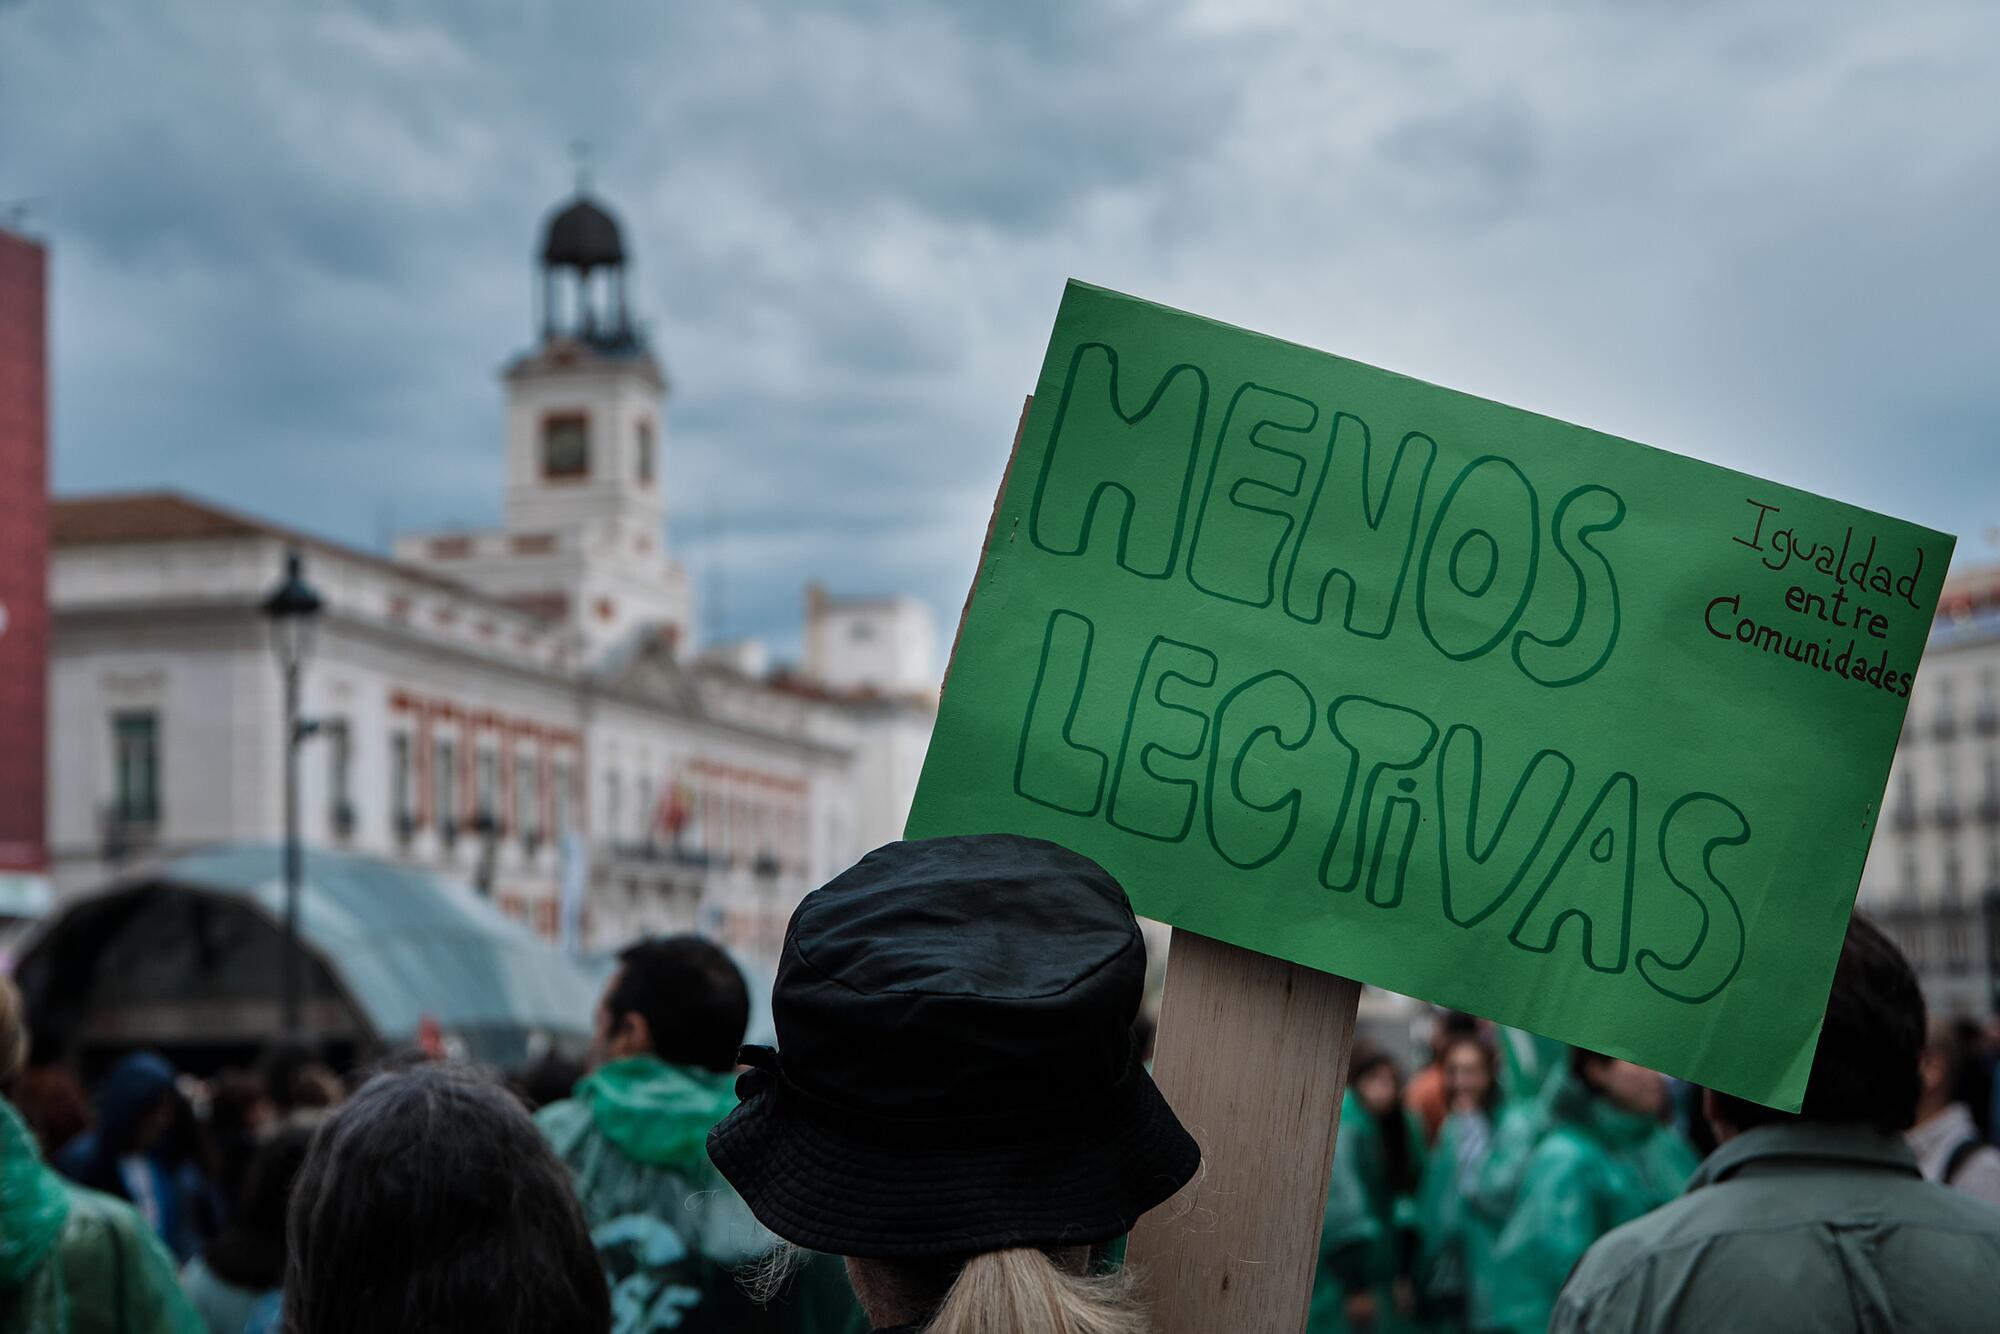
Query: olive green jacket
1800	1226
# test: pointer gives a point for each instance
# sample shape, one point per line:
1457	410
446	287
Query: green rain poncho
1455	1261
1366	1220
672	1234
1593	1167
73	1261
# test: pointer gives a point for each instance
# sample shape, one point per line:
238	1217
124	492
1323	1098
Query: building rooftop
130	517
1968	608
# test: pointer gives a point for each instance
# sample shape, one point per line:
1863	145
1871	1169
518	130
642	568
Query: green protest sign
1438	694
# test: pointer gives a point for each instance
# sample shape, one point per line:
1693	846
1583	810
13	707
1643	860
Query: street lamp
292	608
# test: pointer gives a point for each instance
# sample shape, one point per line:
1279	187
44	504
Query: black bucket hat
958	1072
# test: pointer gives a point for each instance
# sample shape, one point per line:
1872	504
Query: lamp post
292	608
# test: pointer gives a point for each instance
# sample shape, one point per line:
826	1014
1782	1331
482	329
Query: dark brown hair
691	995
430	1201
1866	1067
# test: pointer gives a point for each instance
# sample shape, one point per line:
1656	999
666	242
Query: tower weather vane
579	154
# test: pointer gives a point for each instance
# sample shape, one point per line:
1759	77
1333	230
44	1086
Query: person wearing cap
955	1105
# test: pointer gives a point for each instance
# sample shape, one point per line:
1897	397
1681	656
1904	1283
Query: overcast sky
292	241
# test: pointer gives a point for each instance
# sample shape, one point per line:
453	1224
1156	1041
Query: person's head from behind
296	1082
1375	1079
1470	1082
549	1078
136	1103
1622	1084
1866	1070
250	1252
238	1107
677	998
957	1106
430	1201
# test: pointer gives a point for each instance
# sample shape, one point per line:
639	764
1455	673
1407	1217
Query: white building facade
522	708
1933	873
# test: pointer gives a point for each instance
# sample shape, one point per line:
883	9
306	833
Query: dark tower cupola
583	277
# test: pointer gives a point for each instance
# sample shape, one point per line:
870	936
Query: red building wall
24	546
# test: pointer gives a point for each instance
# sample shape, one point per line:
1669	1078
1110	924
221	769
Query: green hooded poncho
73	1261
1361	1244
672	1234
1455	1260
1594	1167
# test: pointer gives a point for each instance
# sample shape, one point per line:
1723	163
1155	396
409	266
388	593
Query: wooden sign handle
1252	1055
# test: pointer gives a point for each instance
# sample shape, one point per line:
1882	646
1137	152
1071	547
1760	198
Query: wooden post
1252	1054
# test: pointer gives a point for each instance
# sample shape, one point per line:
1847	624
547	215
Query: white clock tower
585	527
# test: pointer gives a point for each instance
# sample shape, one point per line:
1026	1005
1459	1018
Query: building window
647	811
1944	713
613	807
401	791
486	789
645	453
527	796
339	773
566	445
564	790
444	788
136	755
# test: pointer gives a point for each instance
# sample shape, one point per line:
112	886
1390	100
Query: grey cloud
1464	166
292	242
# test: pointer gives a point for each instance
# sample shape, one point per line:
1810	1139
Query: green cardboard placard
1455	699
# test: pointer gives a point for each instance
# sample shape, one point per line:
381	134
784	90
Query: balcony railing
1946	939
665	854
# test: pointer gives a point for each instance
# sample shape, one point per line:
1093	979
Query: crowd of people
955	1135
1465	1200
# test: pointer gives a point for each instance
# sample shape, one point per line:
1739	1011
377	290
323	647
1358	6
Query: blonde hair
1024	1291
13	1031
